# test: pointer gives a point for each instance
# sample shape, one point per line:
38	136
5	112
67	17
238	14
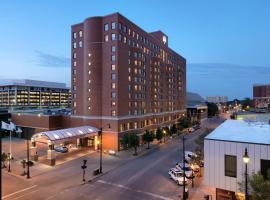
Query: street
142	177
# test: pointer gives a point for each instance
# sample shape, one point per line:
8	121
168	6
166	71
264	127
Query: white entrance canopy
69	133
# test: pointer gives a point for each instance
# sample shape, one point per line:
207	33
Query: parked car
181	167
188	156
177	176
61	149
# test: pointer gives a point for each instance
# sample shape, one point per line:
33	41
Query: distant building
196	107
261	96
217	99
223	155
24	93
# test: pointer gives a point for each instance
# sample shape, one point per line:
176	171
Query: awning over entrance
69	133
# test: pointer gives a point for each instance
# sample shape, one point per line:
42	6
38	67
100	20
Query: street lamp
84	167
246	160
100	155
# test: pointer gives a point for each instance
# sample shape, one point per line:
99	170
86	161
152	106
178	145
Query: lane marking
25	194
19	191
138	191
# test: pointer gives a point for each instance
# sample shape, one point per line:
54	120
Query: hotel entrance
64	144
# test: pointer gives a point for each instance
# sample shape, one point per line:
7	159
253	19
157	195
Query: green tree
125	140
183	122
173	129
212	109
147	138
4	158
134	142
246	103
260	187
159	134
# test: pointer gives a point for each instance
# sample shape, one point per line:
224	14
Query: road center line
25	194
19	191
138	191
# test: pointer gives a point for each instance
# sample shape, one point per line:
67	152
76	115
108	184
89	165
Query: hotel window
125	39
129	70
89	108
120	37
230	166
89	55
89	63
113	48
80	33
74	63
113	94
129	61
89	72
113	103
74	35
106	27
74	87
80	44
74	104
106	38
129	78
129	31
74	45
113	112
74	71
114	36
120	26
124	29
113	25
113	66
113	85
113	57
89	99
74	55
113	76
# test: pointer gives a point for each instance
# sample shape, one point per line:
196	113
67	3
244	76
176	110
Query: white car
177	176
181	167
189	155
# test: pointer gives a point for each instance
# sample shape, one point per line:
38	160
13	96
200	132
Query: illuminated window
89	108
74	45
113	112
89	99
80	44
89	55
74	63
74	104
74	55
106	38
129	78
125	39
113	48
89	81
113	103
80	33
74	71
74	35
74	87
129	61
106	27
89	63
89	72
113	85
113	66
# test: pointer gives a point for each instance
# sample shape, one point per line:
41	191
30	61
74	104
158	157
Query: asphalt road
145	177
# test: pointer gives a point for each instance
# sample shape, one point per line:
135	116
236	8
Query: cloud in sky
49	60
234	81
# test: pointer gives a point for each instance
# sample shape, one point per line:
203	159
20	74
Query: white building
217	99
223	153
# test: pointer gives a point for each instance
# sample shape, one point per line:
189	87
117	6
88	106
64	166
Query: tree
134	142
260	187
173	129
246	103
184	122
125	141
159	134
4	158
148	137
212	109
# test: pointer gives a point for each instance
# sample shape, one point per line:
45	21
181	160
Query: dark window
106	27
265	168
230	166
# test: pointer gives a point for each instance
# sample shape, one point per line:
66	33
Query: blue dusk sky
226	43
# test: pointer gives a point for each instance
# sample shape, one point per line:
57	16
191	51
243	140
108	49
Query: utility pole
100	155
28	163
184	170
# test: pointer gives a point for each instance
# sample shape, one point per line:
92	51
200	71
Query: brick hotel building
261	96
124	76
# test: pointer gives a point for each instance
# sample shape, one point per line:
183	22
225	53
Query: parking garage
68	141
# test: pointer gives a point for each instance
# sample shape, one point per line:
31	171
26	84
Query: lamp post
28	161
84	167
100	155
246	160
184	170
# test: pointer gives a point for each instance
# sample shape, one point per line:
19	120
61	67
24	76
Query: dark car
61	149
